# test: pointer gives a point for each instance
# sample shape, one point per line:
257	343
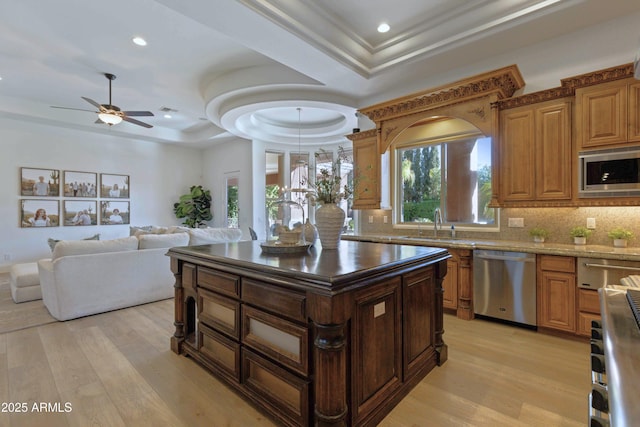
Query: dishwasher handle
505	257
610	266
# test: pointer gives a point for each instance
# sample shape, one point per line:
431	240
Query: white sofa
94	276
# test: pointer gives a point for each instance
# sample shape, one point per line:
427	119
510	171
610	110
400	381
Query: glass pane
299	178
232	202
454	176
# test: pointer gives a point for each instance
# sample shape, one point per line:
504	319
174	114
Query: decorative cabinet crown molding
504	82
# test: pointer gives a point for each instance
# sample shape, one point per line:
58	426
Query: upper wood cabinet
366	160
536	153
607	114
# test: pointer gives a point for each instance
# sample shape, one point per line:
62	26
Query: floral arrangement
328	188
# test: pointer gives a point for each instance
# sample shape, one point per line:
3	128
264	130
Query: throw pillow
133	229
52	242
153	241
205	236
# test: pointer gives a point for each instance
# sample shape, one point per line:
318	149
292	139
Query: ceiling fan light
110	119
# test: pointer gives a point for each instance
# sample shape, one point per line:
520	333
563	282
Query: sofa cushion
152	241
204	236
52	242
82	247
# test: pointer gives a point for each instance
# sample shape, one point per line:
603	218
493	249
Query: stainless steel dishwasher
504	286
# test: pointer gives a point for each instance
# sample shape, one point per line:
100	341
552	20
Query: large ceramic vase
329	222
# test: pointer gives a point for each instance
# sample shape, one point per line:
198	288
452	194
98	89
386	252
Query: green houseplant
580	235
620	236
539	234
195	206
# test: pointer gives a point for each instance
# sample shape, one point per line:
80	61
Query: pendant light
300	163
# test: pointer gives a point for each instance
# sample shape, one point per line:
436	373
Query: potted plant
620	237
195	206
580	235
539	234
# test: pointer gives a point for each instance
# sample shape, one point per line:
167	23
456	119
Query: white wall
158	173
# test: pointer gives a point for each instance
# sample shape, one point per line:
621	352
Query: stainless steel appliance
594	273
609	173
615	360
504	286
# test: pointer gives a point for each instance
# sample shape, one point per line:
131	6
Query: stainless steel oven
609	173
595	273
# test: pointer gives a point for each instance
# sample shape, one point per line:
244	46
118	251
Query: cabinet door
450	285
634	112
517	155
366	164
557	300
418	319
602	115
553	152
377	350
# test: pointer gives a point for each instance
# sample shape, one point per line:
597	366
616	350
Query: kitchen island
326	337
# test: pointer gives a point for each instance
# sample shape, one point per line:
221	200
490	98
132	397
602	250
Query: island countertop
332	269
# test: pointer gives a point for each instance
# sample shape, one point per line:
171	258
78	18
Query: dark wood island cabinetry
327	338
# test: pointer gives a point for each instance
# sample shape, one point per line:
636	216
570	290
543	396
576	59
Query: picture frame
113	186
80	184
114	212
80	212
32	217
39	182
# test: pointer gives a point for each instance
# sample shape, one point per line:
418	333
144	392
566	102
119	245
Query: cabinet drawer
558	263
281	392
588	301
285	303
223	352
277	338
584	323
219	312
218	281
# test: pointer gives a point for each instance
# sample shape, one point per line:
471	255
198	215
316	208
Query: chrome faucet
437	218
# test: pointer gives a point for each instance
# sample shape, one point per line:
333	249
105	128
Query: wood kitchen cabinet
366	164
458	283
556	292
536	154
607	114
588	310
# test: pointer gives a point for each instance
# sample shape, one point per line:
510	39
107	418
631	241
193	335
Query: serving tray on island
277	248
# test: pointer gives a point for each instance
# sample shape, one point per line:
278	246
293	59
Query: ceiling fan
111	114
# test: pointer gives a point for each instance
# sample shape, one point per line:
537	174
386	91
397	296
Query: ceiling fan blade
76	109
92	102
136	122
138	113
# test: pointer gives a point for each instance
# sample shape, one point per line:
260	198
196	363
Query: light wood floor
116	369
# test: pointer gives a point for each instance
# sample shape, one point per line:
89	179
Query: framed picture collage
52	198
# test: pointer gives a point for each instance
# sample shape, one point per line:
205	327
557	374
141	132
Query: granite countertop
588	251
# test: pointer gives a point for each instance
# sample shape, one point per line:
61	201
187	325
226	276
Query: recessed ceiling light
167	116
139	41
383	28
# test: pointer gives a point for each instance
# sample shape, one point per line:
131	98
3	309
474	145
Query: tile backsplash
557	220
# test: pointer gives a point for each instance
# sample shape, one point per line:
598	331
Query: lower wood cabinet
588	310
556	292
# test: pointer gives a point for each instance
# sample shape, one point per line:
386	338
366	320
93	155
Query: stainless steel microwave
609	173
